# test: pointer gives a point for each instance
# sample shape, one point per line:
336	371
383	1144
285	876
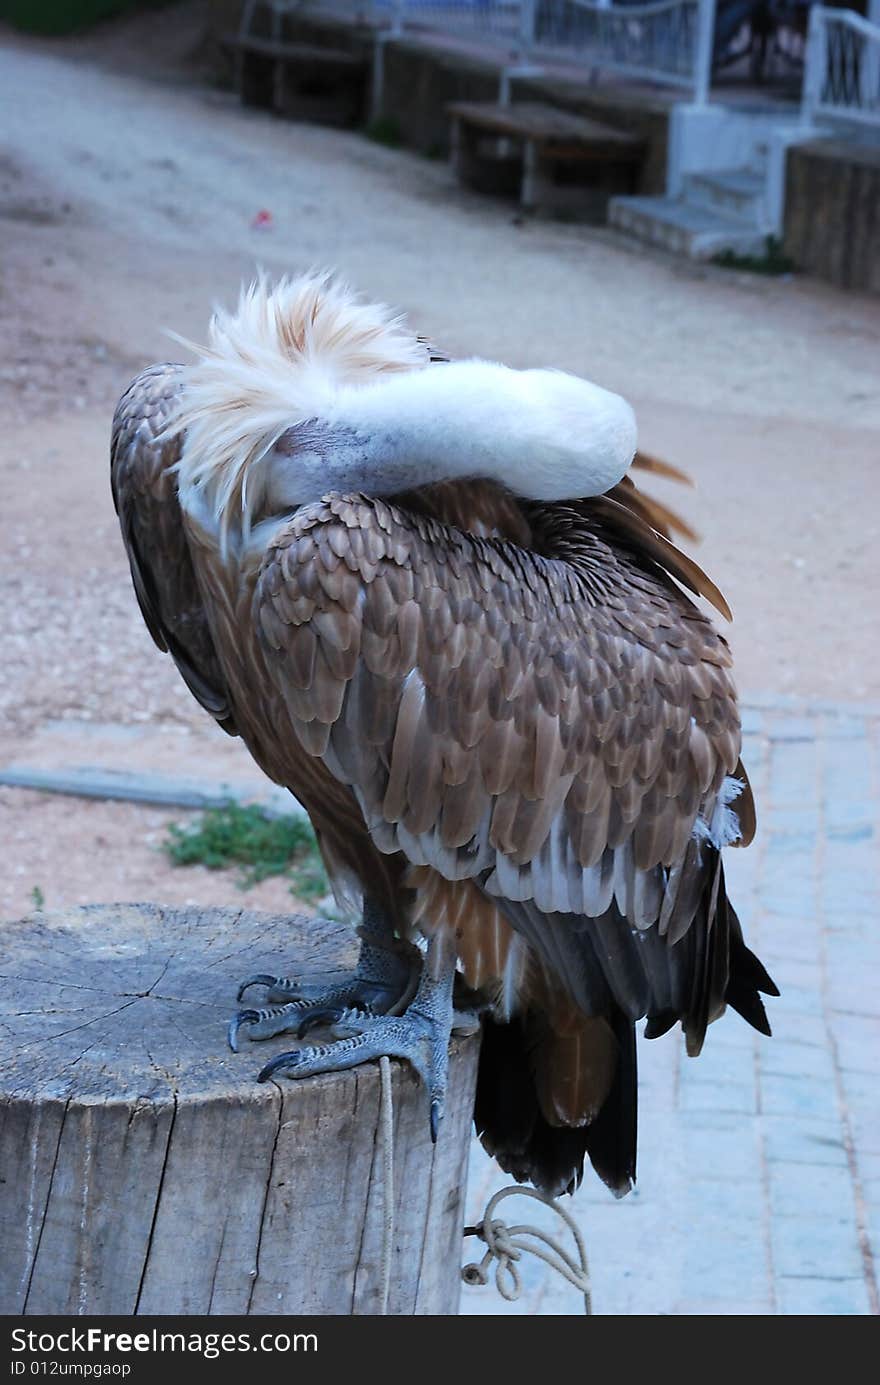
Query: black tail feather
748	977
514	1131
509	1120
611	1138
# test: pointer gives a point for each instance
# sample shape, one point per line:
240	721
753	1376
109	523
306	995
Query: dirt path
126	202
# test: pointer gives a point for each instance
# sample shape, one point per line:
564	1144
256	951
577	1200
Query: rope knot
506	1244
500	1246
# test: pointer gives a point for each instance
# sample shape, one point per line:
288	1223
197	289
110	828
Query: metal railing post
528	11
814	64
869	76
705	51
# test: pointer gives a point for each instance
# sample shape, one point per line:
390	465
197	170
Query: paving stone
724	1151
844	728
817	1247
794	899
791	1059
752	719
796	1002
801	729
723	1096
857	1042
793	973
727	1261
810	1141
864	1129
784	938
806	1297
795	1191
724	1307
798	1096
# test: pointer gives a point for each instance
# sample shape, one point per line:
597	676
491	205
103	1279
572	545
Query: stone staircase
725	186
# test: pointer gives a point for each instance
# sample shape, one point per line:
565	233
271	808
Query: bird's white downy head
307	389
275	362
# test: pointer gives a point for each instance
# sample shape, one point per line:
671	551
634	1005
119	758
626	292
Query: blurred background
677	200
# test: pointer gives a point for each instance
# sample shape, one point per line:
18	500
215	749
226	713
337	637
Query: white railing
842	73
495	19
668	41
504	20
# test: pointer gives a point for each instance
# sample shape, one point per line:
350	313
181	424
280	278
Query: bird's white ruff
275	362
341	384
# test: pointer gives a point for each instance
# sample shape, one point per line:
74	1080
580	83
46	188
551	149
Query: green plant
257	844
67	16
385	129
38	898
773	261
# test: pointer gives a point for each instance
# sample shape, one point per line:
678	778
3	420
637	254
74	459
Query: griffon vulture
432	604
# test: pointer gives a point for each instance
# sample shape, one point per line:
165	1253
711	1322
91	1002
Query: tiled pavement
759	1162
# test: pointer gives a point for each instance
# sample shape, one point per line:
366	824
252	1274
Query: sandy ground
128	187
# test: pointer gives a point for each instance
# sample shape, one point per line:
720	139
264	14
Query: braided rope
507	1244
386	1120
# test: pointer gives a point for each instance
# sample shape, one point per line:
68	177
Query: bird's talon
266	1022
284	1061
243	1017
261	979
436	1117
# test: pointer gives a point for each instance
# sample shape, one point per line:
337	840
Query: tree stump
144	1170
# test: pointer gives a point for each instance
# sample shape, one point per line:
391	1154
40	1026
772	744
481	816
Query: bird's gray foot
420	1035
383	983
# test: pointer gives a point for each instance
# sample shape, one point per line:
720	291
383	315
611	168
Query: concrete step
736	193
697	232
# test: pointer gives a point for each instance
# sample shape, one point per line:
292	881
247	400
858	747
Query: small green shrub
385	130
258	845
773	261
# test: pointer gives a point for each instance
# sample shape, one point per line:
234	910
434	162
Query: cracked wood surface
143	1169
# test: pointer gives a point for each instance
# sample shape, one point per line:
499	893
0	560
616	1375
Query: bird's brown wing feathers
552	727
476	695
145	496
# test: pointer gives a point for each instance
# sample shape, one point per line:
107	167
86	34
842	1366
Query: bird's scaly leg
383	982
420	1035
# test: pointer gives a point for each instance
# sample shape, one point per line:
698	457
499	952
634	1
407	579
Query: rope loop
507	1244
386	1122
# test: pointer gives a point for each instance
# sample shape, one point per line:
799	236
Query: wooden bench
300	80
559	163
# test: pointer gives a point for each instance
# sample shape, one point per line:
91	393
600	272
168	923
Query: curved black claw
436	1117
243	1017
261	979
282	1060
266	1022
